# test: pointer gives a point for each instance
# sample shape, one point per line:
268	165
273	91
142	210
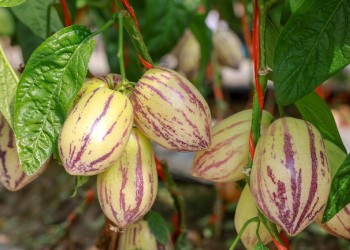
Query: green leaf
49	83
339	195
8	85
11	3
316	111
7	27
314	45
27	40
36	14
165	23
295	4
158	227
260	246
79	182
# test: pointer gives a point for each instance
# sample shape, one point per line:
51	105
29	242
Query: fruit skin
339	225
189	55
127	190
228	47
12	175
171	111
227	156
139	236
109	81
96	132
290	177
245	210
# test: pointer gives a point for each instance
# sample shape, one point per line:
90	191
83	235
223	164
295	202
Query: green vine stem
178	199
238	237
121	52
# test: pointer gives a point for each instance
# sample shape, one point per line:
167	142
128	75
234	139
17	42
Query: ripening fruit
110	81
339	225
245	210
171	111
225	159
12	175
127	190
139	236
96	132
290	177
228	47
189	55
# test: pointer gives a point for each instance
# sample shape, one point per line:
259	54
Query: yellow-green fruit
126	191
171	111
139	236
228	153
228	47
339	225
12	175
189	55
290	178
246	209
110	81
96	132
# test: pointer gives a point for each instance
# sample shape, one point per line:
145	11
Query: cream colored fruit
12	175
96	132
227	156
339	225
127	190
139	236
290	178
246	209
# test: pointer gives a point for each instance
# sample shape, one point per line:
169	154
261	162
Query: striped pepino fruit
227	156
339	225
171	111
12	175
290	177
245	210
139	236
96	132
127	190
110	81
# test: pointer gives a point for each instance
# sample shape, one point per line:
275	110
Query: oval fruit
228	47
126	191
226	158
96	132
171	111
189	55
245	210
12	175
290	177
339	225
139	236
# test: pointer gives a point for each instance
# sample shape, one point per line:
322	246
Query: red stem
145	63
132	12
66	13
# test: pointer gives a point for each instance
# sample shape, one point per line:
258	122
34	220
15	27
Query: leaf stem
121	50
105	26
67	21
235	242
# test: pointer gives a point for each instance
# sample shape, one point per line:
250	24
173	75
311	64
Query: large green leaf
36	14
165	22
158	227
339	195
317	112
11	3
50	81
314	45
8	84
295	4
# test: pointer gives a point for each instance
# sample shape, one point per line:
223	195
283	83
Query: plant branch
67	21
235	242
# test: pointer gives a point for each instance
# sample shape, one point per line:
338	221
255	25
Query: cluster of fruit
290	177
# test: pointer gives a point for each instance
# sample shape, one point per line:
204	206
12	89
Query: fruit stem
238	237
121	51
